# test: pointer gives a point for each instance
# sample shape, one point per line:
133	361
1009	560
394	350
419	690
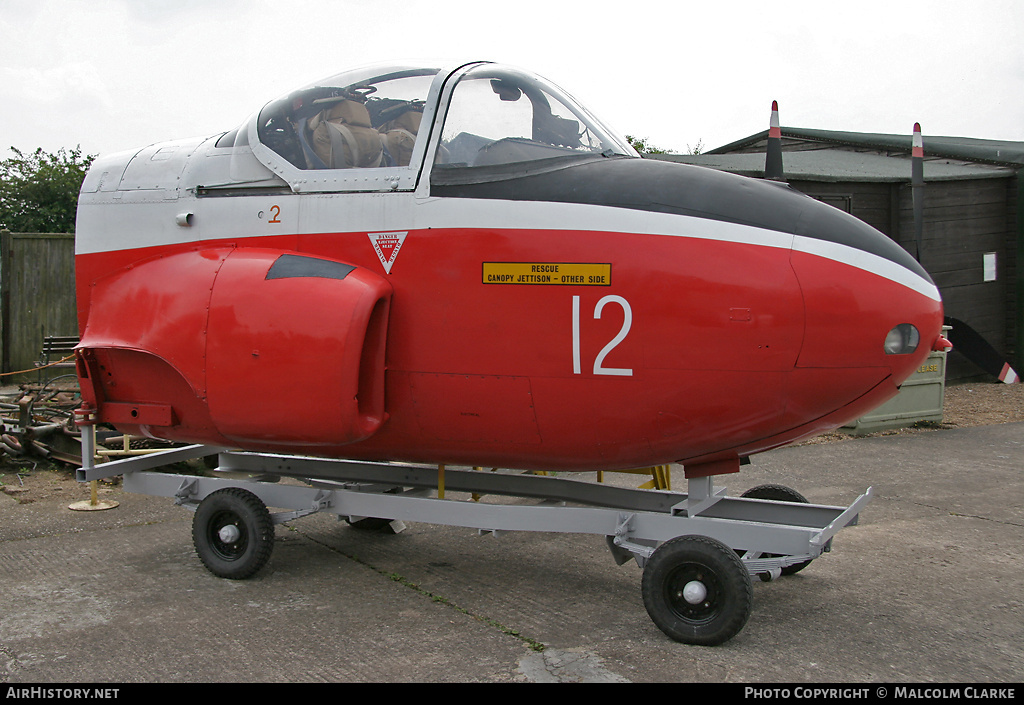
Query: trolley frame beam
768	534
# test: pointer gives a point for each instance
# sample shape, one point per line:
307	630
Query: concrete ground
929	587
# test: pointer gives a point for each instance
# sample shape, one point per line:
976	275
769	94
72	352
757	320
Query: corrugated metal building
973	234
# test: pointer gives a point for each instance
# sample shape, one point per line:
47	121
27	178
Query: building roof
1000	152
842	165
830	155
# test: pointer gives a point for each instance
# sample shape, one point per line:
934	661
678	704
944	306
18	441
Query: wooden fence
37	297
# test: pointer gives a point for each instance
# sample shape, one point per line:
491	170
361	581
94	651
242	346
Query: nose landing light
902	340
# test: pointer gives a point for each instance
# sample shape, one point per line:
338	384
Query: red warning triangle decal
387	245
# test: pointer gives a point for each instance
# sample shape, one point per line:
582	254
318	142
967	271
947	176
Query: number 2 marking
276	211
627	323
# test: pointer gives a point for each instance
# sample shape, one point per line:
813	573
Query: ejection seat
342	137
399	135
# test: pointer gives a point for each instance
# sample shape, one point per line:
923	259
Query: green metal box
920	399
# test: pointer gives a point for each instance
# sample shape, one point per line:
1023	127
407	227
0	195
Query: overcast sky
111	75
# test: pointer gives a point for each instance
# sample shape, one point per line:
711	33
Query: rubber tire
730	595
779	493
244	557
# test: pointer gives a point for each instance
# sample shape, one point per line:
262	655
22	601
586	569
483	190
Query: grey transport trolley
698	549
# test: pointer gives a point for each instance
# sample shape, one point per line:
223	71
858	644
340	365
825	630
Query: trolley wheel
697	590
779	493
233	533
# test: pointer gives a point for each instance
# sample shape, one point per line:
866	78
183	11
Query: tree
39	191
641	145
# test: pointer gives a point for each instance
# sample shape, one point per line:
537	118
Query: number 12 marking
627	322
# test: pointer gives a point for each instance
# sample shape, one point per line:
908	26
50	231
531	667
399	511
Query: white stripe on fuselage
868	262
232	218
459	213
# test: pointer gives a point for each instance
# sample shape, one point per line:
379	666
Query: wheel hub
227	536
694	592
229	533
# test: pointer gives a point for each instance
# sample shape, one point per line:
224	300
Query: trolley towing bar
698	549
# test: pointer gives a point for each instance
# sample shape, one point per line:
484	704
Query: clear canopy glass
500	115
363	118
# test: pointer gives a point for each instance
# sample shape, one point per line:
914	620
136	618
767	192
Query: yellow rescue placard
547	273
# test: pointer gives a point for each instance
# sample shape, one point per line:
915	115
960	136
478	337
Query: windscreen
499	115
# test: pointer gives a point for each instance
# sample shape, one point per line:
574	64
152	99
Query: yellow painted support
476	495
661	477
126	449
93	503
440	481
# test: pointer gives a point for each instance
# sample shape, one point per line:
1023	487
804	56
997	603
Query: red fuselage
605	314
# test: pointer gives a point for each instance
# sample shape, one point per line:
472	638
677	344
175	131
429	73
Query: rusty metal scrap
37	422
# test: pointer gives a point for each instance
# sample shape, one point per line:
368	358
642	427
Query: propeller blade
917	187
773	153
975	348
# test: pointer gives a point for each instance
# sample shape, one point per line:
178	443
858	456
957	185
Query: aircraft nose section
871	317
872	313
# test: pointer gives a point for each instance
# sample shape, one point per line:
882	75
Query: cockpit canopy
370	129
356	119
